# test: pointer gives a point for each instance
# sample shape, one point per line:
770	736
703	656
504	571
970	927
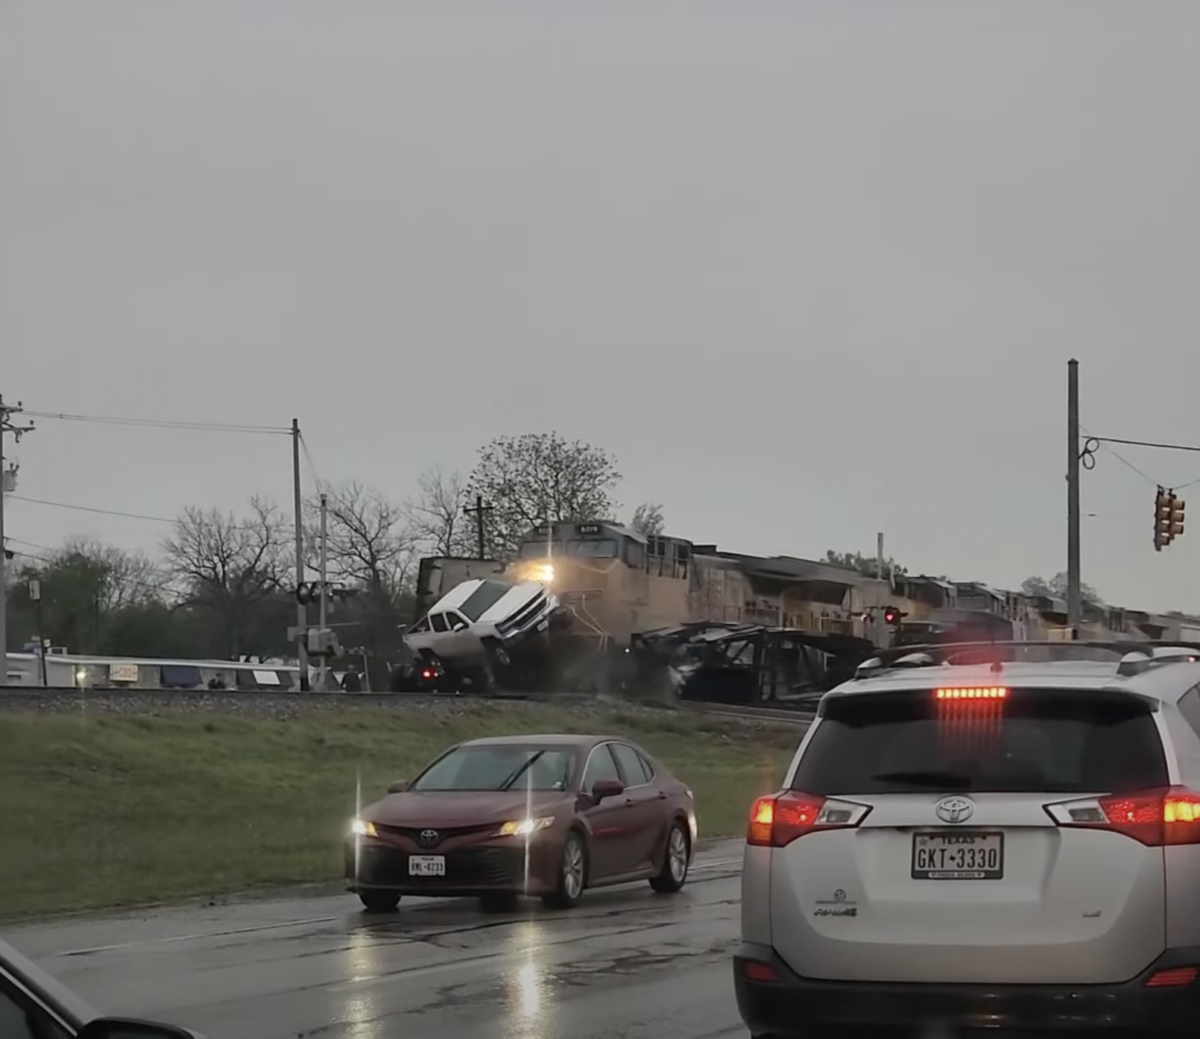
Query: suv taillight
779	819
1156	818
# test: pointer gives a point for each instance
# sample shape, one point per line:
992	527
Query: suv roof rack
1131	657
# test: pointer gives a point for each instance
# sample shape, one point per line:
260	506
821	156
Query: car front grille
524	616
420	835
466	869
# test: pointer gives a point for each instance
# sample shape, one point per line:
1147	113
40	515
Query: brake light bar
779	819
993	692
1157	818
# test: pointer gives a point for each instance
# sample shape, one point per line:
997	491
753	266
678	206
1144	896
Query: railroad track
265	702
793	716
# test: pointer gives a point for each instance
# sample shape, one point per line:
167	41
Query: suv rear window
1034	741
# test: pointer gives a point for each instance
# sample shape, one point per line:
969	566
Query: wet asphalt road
625	964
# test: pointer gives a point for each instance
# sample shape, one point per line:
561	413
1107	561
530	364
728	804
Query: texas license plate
958	856
427	865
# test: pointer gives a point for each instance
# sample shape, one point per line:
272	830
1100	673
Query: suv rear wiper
521	770
949	780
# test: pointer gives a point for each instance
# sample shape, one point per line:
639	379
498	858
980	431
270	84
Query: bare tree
119	578
1056	588
435	514
369	545
539	477
226	564
648	519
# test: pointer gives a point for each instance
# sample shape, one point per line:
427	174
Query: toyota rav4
1000	844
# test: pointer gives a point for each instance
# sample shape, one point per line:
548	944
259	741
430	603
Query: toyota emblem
429	837
954	809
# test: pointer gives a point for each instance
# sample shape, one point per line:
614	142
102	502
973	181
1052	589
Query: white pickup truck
480	623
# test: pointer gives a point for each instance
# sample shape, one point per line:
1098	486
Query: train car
64	671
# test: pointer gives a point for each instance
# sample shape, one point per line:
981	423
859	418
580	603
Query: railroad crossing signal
1168	518
310	591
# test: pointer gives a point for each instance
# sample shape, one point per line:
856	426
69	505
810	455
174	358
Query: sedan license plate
427	865
958	856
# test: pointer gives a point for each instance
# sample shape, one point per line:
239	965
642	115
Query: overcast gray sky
809	268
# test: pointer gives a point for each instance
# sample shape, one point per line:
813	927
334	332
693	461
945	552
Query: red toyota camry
524	815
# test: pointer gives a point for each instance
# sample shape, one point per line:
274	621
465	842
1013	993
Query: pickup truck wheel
497	654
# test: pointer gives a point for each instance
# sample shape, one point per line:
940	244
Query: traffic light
1177	509
1168	518
1162	520
892	616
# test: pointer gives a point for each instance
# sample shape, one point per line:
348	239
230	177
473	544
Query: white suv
965	842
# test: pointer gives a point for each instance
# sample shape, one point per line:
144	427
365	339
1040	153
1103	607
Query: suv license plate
958	856
427	865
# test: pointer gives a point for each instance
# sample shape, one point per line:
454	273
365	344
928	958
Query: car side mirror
460	626
607	788
131	1028
398	787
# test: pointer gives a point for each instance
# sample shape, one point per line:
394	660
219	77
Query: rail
793	716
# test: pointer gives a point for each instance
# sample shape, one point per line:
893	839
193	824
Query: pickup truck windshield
483	599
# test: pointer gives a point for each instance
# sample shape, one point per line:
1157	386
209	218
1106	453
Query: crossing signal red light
891	615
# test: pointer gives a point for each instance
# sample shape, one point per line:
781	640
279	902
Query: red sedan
524	815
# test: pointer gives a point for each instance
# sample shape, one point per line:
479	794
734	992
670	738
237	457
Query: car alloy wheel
573	869
677	855
572	877
673	874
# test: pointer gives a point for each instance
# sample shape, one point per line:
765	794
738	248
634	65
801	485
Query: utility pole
1074	598
479	511
321	668
298	508
8	483
881	628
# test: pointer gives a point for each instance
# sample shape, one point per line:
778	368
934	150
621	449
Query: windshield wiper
521	770
949	780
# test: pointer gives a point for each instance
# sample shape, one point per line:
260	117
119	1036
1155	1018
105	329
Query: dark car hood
462	808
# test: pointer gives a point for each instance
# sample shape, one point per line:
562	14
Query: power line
200	427
1133	443
1106	443
312	466
89	508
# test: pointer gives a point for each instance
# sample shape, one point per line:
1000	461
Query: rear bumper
792	1006
480	870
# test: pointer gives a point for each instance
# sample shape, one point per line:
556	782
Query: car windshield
483	599
1032	741
494	766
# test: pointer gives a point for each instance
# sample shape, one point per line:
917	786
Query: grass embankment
113	810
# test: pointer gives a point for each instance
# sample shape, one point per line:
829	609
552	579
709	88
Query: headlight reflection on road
529	1007
530	992
358	1008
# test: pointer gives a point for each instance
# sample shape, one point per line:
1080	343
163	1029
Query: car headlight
524	827
362	828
